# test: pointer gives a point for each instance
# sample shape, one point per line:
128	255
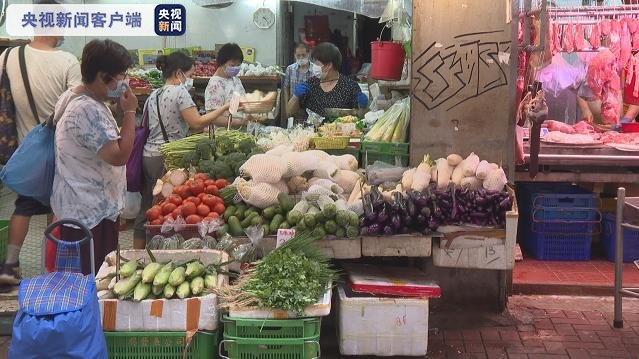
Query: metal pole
621	202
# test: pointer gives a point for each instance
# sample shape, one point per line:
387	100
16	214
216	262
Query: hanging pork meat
633	24
626	46
595	37
569	38
604	82
605	27
579	38
556	39
615	39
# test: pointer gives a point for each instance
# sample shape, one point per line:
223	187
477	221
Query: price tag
284	235
234	104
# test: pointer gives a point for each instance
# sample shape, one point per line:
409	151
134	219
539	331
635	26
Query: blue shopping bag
59	317
30	170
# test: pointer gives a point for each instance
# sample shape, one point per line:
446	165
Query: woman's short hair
229	52
103	55
169	64
327	53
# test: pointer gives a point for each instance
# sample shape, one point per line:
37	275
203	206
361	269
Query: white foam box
350	248
494	249
401	245
320	309
382	326
199	313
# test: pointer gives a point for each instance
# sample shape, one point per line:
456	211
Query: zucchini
248	219
284	225
268	212
229	212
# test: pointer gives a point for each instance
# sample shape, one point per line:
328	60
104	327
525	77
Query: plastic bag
380	172
314	119
132	204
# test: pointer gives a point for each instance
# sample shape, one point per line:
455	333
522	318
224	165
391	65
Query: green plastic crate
161	345
271	328
392	153
247	348
4	239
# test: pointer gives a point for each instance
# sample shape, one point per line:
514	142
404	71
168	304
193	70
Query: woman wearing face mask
300	71
329	89
221	86
91	151
171	112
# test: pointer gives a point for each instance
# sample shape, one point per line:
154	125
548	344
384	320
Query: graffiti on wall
447	75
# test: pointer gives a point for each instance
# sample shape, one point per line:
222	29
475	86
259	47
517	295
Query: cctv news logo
96	20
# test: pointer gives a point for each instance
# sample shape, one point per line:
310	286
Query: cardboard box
483	250
198	313
401	245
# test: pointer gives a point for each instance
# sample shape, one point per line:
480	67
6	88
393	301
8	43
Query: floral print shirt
85	187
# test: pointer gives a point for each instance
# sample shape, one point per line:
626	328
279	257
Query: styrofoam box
382	326
341	248
320	309
163	314
489	250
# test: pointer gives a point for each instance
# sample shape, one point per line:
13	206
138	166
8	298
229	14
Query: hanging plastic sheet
370	8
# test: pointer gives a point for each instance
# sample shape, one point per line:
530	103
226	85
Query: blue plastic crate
560	246
570	227
608	238
565	214
544	194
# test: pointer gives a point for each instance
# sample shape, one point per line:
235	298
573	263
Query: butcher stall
585	61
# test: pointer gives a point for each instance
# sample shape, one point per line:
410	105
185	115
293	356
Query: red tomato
201	196
221	183
212	190
213	215
168	216
209	183
153	213
195	200
168	208
196	187
158	221
193	219
201	176
219	208
177	212
203	210
175	199
209	200
188	208
182	191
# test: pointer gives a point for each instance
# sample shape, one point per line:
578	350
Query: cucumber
266	229
235	228
268	212
275	223
309	220
256	221
247	220
229	212
239	212
284	225
285	201
224	229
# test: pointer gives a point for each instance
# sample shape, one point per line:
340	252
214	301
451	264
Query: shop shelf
243	348
271	328
4	238
608	238
161	345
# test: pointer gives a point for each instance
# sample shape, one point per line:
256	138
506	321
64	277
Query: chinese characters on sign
77	20
170	20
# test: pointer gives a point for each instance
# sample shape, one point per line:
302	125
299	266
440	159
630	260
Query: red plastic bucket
387	60
630	127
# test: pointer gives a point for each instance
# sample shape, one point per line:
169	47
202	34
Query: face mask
188	82
232	71
317	71
59	42
302	62
120	88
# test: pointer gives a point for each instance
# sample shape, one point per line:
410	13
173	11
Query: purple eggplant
374	229
425	212
433	224
421	221
505	203
364	230
371	217
396	222
388	230
412	210
404	230
407	220
377	200
401	201
420	200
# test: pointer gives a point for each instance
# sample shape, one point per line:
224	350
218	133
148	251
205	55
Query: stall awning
370	8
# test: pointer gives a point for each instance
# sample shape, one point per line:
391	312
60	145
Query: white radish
454	159
443	173
471	182
157	189
470	165
458	174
